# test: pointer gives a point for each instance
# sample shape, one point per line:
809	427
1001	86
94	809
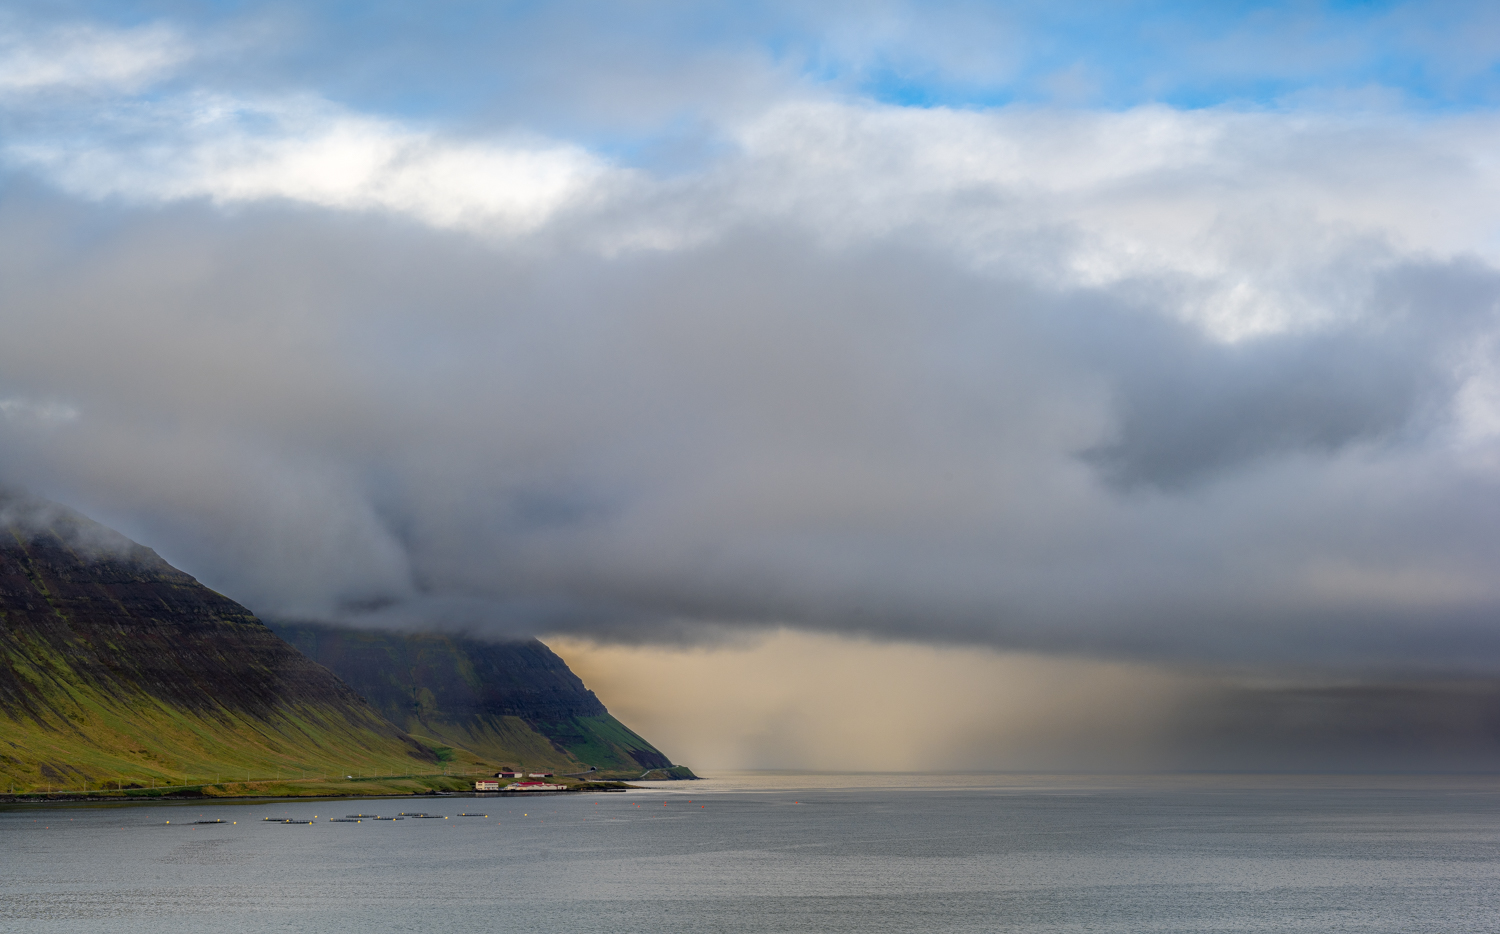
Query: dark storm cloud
1190	408
338	418
1177	385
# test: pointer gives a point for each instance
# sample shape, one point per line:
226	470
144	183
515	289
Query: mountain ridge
505	702
117	667
114	664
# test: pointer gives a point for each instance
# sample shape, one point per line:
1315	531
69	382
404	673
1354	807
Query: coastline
379	786
235	791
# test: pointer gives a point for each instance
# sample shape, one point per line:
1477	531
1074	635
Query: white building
535	786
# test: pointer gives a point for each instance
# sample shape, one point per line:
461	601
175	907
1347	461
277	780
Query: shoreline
117	797
377	786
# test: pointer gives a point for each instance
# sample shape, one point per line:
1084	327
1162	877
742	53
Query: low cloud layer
1154	384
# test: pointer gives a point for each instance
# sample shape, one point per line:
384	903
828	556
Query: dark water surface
777	852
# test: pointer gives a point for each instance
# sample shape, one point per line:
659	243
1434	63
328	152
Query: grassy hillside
90	742
117	668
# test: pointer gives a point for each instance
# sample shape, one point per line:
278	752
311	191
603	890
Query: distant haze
1159	343
835	703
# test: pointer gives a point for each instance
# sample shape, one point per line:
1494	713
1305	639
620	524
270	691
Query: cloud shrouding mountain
1207	385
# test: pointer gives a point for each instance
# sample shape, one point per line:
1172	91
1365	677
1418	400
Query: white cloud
1246	213
86	56
1242	208
306	150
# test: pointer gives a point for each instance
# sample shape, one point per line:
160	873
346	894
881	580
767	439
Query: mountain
508	703
117	668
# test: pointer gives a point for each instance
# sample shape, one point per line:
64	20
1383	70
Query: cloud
1217	407
84	56
307	151
1156	384
24	518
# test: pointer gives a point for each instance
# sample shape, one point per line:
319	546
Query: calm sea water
778	852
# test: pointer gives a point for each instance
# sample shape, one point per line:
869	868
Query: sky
1140	344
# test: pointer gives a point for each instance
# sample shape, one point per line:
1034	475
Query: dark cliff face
416	673
89	618
131	624
477	694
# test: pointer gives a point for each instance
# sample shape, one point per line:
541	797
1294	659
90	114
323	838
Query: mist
789	700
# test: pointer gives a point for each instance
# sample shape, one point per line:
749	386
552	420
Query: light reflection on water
755	852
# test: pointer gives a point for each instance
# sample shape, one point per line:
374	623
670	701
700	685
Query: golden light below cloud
798	700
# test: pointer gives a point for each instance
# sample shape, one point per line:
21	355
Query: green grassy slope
117	668
93	742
